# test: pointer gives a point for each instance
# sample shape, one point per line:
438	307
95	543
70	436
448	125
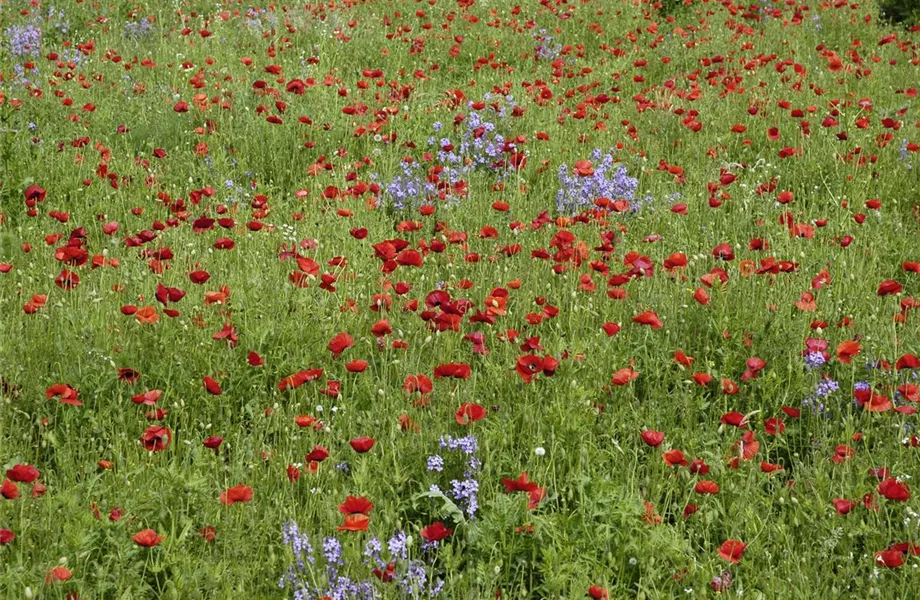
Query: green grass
597	472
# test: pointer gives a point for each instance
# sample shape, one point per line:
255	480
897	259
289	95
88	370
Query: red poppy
9	490
653	438
65	394
212	387
156	439
58	573
6	536
340	343
317	454
648	318
890	559
238	493
148	398
674	458
435	532
894	490
23	473
469	413
357	522
521	484
147	538
732	550
598	593
355	505
362	444
844	506
846	350
706	486
624	376
455	370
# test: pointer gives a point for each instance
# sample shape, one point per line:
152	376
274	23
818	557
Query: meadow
460	299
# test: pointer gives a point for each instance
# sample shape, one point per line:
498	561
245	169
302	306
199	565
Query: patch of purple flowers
24	40
608	180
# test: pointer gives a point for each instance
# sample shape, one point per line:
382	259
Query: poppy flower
454	370
156	439
58	573
9	490
355	505
894	490
147	538
653	438
435	532
846	350
340	343
469	413
890	559
844	506
598	593
358	522
6	536
238	493
624	376
674	458
23	473
213	442
706	486
889	287
148	398
362	444
521	484
649	318
212	387
317	454
64	393
732	550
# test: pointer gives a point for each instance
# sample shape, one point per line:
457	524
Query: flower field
459	299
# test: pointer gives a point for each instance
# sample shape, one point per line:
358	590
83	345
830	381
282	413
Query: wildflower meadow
459	299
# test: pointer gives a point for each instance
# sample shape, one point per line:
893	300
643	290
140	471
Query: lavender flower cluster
24	40
464	491
578	192
411	575
307	581
480	148
301	578
138	29
545	48
815	400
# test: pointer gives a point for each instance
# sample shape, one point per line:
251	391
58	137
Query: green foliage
903	12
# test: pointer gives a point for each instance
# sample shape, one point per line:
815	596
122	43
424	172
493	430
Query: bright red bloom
355	505
65	394
362	444
652	438
156	439
212	387
732	550
6	536
23	473
890	559
147	538
357	522
894	490
844	506
238	493
846	350
624	376
58	573
435	532
598	593
340	343
521	484
455	370
649	318
470	412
